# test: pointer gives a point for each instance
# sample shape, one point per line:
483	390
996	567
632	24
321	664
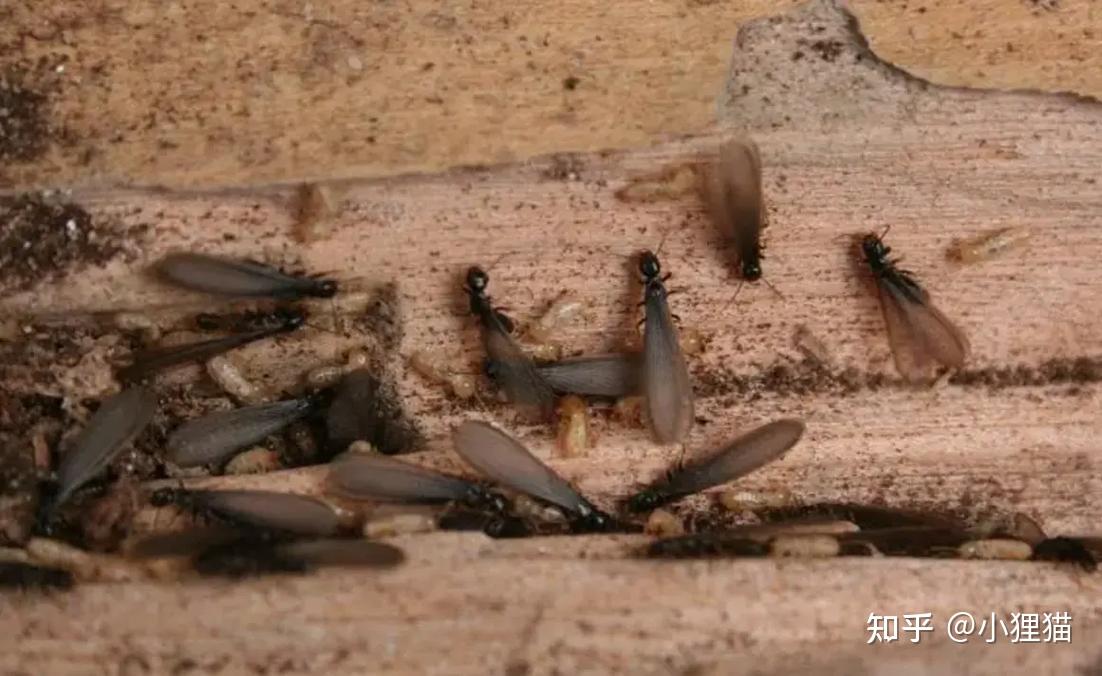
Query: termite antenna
738	289
773	288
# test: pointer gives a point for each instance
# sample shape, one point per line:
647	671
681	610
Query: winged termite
736	459
212	438
508	365
607	375
264	510
665	376
733	192
117	421
363	476
505	460
148	362
229	277
921	336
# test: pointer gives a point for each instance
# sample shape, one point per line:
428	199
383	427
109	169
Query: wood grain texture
189	94
849	145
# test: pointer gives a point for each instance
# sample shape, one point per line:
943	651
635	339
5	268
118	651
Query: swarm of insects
241	532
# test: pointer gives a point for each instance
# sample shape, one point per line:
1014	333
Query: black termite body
241	278
738	458
505	460
249	320
921	336
508	365
213	438
250	556
27	577
1081	551
665	377
608	375
118	421
148	362
259	510
732	189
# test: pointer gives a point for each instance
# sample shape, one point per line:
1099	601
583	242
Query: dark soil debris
383	319
828	50
40	240
25	128
564	167
25	421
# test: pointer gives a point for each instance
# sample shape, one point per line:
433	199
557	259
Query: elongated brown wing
505	460
267	509
666	386
213	438
733	191
117	421
921	337
229	277
515	373
606	375
360	476
745	454
343	553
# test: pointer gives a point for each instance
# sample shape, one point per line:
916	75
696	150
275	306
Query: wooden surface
849	145
189	94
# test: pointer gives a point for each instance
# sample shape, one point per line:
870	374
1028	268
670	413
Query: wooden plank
185	94
936	164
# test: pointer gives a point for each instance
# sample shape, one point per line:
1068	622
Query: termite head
292	319
324	288
645	501
162	497
876	253
751	270
649	267
477	280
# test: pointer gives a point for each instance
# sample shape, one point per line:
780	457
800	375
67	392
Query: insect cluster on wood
239	532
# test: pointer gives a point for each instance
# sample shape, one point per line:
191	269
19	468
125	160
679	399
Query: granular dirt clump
24	121
40	240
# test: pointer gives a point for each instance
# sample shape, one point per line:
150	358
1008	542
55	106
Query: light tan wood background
850	144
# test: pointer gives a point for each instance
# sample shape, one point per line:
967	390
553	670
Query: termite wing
508	365
733	192
212	438
362	476
738	458
150	361
607	375
242	278
665	377
505	460
118	421
921	336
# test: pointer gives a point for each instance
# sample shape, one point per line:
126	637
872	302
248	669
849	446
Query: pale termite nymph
989	245
574	433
